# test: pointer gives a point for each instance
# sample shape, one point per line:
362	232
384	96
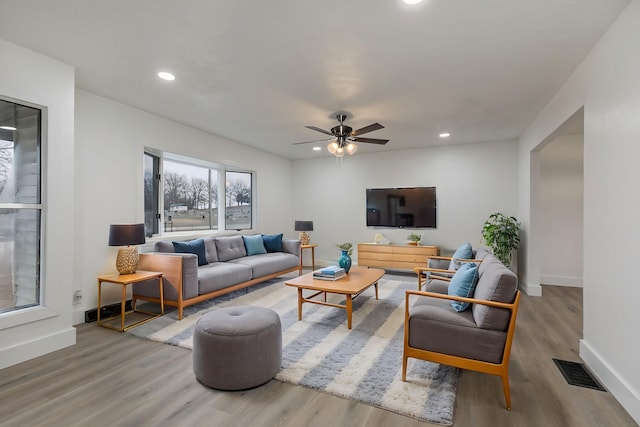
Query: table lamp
303	227
126	235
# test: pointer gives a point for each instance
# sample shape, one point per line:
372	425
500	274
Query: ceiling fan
343	137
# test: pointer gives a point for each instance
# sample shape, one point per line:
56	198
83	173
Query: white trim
531	290
42	345
78	317
26	315
612	380
556	280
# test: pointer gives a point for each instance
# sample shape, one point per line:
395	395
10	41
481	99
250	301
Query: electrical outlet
77	297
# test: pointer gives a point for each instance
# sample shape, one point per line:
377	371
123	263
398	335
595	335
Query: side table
313	256
124	280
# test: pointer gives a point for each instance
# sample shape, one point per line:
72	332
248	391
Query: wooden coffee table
356	282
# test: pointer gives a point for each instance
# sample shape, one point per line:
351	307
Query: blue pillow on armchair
463	284
463	252
192	247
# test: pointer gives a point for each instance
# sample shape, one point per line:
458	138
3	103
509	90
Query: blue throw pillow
273	242
463	284
192	247
254	244
463	252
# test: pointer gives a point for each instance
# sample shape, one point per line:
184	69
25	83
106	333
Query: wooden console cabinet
404	257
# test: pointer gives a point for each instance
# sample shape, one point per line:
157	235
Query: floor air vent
576	374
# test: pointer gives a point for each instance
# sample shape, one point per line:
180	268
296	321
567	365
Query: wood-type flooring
113	379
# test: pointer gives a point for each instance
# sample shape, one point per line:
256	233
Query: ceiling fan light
352	148
339	152
333	147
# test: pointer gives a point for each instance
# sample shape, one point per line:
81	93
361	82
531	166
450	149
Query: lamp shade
126	234
304	226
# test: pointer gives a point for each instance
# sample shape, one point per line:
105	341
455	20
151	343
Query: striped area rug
319	352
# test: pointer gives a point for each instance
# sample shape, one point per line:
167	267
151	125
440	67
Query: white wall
472	181
607	84
560	206
36	79
110	141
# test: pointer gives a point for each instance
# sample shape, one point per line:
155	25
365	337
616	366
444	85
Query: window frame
221	171
38	310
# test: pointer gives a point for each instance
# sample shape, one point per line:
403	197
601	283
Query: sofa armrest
179	272
292	246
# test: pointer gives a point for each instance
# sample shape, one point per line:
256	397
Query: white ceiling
257	72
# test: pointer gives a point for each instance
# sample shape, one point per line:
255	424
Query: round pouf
236	348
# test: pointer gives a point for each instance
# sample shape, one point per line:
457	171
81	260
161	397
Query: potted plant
346	250
501	233
414	239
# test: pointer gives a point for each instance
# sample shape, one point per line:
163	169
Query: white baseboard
38	347
531	290
555	280
628	397
78	317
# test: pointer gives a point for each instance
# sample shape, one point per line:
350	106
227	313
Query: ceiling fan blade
309	142
319	130
370	128
371	140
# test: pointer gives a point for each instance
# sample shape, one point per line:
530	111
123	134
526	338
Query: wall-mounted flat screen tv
413	207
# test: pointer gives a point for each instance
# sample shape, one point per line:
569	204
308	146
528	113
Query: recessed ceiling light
411	1
445	135
8	128
166	76
317	148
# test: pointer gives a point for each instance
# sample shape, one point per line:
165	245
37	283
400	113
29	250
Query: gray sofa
227	268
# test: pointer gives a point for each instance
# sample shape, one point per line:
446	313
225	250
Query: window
20	206
238	196
191	197
151	178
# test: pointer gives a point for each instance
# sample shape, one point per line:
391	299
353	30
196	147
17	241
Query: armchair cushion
496	283
435	326
463	284
463	252
192	247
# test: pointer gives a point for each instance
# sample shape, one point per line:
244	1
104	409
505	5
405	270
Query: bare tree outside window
187	197
238	195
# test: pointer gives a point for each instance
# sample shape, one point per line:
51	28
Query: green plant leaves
502	234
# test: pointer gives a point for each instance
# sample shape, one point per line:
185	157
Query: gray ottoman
236	348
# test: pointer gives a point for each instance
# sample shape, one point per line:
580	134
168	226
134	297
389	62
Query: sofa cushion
273	242
496	283
192	247
254	244
220	275
265	264
210	248
463	252
230	247
164	246
463	284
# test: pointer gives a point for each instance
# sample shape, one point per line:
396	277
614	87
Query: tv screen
413	207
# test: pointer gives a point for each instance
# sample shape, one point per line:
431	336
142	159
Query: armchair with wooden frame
478	338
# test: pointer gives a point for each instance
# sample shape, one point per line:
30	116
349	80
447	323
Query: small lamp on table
303	227
126	235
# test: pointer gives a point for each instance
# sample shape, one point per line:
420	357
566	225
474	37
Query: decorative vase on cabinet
345	261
